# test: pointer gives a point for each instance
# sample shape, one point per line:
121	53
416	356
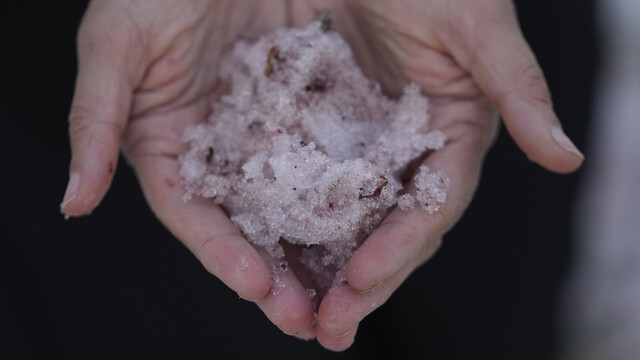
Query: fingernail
250	300
306	334
563	140
72	190
371	289
295	333
347	332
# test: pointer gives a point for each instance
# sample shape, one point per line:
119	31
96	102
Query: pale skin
147	70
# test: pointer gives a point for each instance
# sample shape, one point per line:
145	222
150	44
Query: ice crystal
305	149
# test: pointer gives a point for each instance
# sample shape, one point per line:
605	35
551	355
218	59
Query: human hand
147	70
467	56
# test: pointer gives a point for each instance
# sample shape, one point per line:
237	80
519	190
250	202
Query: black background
117	285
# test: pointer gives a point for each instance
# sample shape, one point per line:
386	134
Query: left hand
467	56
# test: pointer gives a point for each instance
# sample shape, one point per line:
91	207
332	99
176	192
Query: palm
179	86
170	53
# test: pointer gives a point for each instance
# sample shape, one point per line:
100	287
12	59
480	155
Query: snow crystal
277	284
432	189
305	149
311	293
406	202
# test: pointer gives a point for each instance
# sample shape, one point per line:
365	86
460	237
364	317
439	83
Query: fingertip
306	334
297	314
550	148
296	321
341	310
80	199
570	157
289	308
336	343
71	193
537	131
89	180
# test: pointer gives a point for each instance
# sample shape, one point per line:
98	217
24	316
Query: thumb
506	70
98	116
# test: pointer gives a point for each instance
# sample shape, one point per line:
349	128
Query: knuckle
83	126
532	82
419	243
79	125
527	83
404	234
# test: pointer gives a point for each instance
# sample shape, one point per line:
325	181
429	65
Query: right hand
147	70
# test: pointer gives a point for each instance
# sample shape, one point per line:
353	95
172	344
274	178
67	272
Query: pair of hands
148	69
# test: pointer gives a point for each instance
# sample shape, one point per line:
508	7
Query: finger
203	228
336	343
107	57
287	305
343	307
506	69
403	235
307	334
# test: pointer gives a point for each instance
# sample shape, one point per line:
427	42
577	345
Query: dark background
117	285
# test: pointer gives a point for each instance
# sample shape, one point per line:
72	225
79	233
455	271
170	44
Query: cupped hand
148	69
470	58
